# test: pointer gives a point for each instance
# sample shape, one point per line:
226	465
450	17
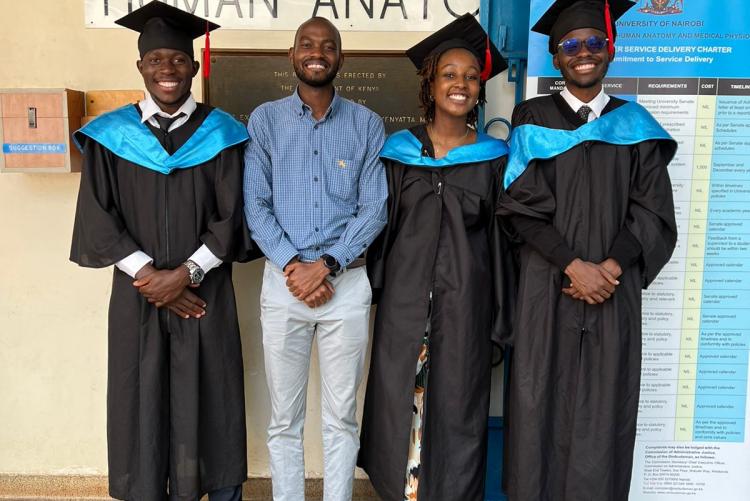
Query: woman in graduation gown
439	271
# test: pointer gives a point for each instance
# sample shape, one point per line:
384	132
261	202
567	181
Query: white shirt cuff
206	259
134	262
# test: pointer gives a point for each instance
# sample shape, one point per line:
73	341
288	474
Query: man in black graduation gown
161	199
589	193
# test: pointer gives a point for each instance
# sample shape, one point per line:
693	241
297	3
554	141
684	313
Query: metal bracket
32	117
517	75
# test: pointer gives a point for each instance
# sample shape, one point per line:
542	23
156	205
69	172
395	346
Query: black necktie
166	122
583	112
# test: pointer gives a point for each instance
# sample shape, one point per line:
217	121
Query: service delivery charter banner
688	63
347	15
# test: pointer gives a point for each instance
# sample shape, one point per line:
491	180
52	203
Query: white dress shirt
597	104
203	257
149	108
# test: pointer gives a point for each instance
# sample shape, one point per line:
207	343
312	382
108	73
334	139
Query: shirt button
317	248
315	126
315	179
316	229
316	205
315	152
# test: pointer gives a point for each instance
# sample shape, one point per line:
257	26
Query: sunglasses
573	46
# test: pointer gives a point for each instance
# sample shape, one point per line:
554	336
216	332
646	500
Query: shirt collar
302	109
597	104
149	108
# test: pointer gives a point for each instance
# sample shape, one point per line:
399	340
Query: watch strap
195	272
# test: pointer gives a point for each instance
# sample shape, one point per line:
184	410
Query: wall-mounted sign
386	83
347	15
34	148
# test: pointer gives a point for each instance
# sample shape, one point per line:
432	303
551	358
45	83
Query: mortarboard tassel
610	32
207	54
487	71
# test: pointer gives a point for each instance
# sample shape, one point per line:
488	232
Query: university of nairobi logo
661	7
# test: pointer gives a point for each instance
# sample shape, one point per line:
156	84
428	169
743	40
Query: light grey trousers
341	328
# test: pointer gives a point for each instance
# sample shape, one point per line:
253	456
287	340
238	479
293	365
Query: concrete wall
52	313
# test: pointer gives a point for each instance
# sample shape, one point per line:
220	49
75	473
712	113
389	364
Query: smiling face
585	70
316	55
168	75
456	85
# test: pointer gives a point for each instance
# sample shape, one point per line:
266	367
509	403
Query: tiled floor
94	488
4	498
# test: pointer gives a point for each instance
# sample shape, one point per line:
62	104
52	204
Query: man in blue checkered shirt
315	194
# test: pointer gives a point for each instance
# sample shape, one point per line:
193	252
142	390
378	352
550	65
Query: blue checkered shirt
314	187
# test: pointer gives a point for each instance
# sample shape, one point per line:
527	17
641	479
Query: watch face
330	262
197	276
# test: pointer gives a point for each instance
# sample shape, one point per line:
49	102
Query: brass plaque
385	82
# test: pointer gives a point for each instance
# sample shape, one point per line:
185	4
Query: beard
321	81
585	84
587	81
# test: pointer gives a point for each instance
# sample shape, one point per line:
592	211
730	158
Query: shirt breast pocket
341	179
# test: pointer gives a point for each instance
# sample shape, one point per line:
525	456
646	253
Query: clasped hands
591	282
170	288
307	282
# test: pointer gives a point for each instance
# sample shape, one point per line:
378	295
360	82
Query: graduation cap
463	33
565	16
162	26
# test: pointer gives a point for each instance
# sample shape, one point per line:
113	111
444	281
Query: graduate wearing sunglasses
587	189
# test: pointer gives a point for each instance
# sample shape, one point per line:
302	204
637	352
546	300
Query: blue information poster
688	63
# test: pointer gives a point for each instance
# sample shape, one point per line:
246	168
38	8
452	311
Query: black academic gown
175	398
442	236
575	372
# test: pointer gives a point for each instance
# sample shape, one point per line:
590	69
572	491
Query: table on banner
696	327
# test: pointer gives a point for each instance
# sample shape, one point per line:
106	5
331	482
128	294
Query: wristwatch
195	272
331	263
